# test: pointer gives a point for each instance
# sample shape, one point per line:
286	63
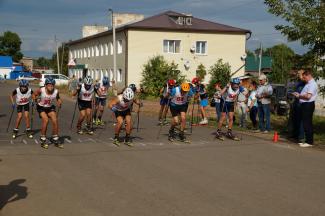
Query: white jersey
177	98
46	100
102	90
231	94
122	105
22	99
86	95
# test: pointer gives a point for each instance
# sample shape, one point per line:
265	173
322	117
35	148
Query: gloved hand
13	106
114	109
33	103
140	104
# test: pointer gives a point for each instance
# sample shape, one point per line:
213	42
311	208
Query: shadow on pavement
12	192
3	115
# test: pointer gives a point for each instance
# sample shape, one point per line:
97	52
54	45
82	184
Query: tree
156	72
63	65
201	72
10	45
43	62
220	72
306	22
282	62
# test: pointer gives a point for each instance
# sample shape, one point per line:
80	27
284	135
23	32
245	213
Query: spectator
298	129
252	104
217	99
307	99
263	95
242	105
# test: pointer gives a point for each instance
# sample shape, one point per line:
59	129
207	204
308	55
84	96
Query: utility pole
114	43
57	54
62	56
260	58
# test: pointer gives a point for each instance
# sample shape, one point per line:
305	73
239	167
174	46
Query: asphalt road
92	177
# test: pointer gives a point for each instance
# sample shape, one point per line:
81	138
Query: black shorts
122	113
82	105
100	101
177	109
47	110
227	107
21	108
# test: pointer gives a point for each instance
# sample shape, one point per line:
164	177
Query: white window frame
119	46
106	49
85	53
92	51
70	54
174	41
101	50
111	74
200	47
97	50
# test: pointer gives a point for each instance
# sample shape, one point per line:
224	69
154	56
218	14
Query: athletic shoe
90	131
116	141
79	131
306	145
29	133
219	135
165	122
14	133
171	135
43	142
204	121
266	131
100	123
128	141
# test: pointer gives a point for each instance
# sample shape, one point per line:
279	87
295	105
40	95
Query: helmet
235	81
133	87
185	87
88	80
50	80
23	83
171	82
105	81
195	80
128	94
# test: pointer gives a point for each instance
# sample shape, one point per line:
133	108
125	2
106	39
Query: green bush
220	72
155	74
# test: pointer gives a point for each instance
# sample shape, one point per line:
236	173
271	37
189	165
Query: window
70	55
119	47
97	50
119	75
111	74
85	53
111	47
92	51
106	49
81	54
172	46
201	47
88	50
101	50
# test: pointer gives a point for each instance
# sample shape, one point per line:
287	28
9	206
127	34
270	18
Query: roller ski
172	137
230	135
56	141
219	135
116	141
128	141
29	133
44	143
15	133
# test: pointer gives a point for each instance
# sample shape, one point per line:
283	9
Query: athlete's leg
18	120
55	127
45	121
26	115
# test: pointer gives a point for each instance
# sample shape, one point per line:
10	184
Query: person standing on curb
252	105
242	105
307	99
263	95
217	100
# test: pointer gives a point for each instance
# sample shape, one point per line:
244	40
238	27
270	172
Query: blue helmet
133	87
105	81
23	83
50	80
235	81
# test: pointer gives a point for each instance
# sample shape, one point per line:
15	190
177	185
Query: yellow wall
142	45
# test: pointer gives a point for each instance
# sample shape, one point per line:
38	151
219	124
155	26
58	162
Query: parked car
60	79
279	102
29	78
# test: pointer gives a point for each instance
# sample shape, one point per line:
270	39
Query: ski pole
32	117
162	124
138	119
12	112
192	117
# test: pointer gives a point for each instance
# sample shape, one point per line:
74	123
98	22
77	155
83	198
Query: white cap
262	77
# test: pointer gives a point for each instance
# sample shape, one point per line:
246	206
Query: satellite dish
187	64
243	57
192	49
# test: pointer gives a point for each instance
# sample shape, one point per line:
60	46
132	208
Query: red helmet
171	82
195	80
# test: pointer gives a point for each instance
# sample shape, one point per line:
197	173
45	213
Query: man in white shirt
307	99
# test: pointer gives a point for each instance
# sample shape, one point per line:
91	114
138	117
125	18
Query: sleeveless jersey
102	90
22	99
122	105
84	94
45	99
231	94
178	98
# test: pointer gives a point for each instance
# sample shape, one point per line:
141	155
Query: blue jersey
177	98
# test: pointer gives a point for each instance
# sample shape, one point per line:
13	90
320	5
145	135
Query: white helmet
88	80
128	94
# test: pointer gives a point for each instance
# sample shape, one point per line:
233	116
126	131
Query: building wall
142	45
101	65
5	71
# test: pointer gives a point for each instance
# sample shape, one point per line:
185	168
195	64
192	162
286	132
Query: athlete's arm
58	100
12	96
76	91
112	102
36	94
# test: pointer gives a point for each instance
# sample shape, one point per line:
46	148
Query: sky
38	21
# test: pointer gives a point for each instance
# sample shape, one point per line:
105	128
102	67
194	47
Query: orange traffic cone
275	137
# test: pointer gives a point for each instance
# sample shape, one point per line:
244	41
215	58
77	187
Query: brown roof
164	21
